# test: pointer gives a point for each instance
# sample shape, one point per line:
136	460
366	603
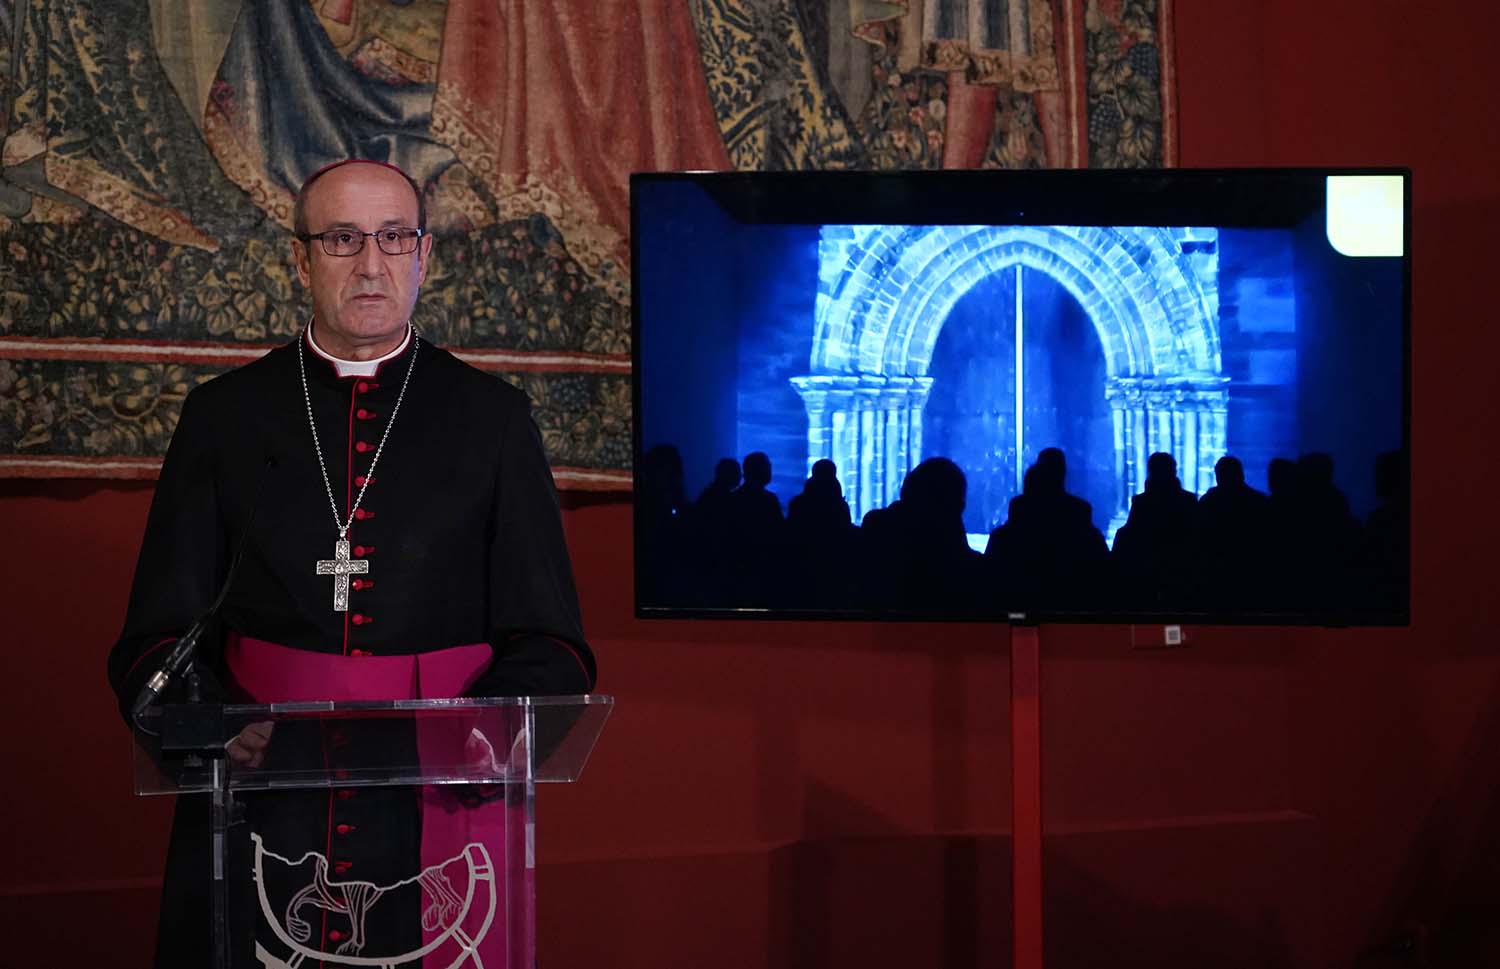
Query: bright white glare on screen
1366	215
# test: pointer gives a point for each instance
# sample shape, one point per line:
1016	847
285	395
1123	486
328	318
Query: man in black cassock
451	534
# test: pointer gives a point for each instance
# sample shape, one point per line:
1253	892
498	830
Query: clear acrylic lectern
386	834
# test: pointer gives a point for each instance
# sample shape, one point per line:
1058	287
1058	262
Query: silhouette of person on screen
820	540
1048	549
1153	548
918	554
755	505
757	533
821	506
714	500
1044	495
1233	537
711	531
1325	536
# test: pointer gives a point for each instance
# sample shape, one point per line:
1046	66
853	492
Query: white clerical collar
356	368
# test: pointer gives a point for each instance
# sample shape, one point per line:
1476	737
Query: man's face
362	302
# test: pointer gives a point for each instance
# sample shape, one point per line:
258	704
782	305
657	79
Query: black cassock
459	523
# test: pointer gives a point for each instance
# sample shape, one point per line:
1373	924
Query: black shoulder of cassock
183	555
535	622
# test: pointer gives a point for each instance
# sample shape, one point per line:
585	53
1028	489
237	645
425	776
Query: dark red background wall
796	794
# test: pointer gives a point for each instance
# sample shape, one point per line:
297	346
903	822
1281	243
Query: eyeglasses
349	242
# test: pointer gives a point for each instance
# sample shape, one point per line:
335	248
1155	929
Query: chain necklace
341	566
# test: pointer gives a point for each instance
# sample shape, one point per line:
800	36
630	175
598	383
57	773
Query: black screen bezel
1242	197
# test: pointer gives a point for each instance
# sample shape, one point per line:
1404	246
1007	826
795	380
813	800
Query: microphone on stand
179	658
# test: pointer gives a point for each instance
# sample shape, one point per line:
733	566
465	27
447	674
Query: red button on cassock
335	935
342	867
344	828
363	513
363	386
360	551
346	794
360	620
361	480
363	446
360	652
364	415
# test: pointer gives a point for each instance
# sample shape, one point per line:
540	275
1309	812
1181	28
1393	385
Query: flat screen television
1062	396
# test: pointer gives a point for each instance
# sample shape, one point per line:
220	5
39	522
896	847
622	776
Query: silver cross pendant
341	567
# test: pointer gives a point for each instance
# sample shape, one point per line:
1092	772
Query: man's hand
248	748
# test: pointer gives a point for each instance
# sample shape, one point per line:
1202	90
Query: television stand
1026	796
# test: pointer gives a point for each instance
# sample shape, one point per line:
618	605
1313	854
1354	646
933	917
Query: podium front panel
384	834
396	876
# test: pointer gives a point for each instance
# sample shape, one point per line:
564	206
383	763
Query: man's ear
301	258
424	250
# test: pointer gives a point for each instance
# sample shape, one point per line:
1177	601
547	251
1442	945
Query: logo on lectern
456	899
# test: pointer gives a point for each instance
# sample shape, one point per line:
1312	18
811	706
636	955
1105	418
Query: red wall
797	794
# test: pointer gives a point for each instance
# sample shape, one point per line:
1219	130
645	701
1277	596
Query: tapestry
152	150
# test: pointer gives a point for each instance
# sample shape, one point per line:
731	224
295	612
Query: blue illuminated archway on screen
885	293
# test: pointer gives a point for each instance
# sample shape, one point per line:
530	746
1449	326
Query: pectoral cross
340	567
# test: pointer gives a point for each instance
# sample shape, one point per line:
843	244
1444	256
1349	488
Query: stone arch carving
885	293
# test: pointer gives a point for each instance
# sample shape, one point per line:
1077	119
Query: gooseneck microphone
181	653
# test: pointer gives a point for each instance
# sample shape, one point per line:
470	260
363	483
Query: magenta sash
270	673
